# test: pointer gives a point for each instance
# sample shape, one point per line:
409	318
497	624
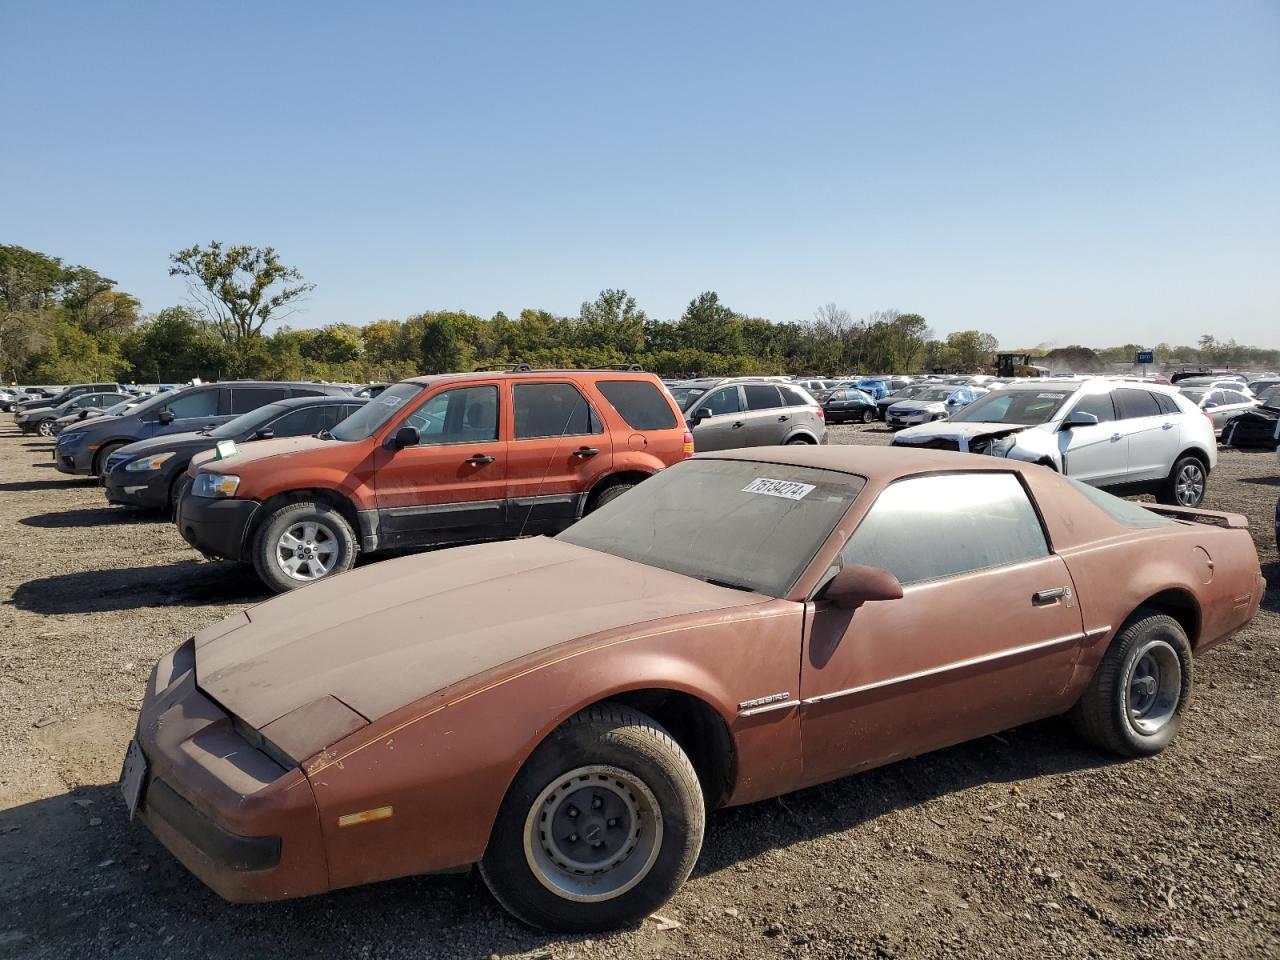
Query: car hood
381	637
950	430
262	449
912	406
187	442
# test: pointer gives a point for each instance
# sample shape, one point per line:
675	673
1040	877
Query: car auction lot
1014	845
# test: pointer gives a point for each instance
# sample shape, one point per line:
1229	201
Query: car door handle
585	452
1115	437
479	460
737	424
1044	597
1166	426
783	417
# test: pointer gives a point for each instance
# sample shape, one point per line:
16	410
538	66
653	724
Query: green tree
337	343
439	348
240	288
708	325
611	320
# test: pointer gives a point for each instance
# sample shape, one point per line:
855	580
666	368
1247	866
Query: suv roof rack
527	368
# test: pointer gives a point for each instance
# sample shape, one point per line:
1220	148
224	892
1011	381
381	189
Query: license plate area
133	778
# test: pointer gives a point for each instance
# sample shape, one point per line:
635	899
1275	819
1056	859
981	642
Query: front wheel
1135	701
46	428
600	827
868	415
301	543
1186	483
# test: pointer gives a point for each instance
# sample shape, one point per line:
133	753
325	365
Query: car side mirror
83	414
166	416
266	433
404	437
856	584
1078	418
702	413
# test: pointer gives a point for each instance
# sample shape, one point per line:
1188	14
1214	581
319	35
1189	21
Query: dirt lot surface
1020	845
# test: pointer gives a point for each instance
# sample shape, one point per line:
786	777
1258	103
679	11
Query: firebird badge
762	701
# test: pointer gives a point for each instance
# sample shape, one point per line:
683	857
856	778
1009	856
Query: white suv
1125	436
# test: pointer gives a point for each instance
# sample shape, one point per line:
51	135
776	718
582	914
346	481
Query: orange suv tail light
688	445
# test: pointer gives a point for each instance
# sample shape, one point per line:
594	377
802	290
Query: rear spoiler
1214	518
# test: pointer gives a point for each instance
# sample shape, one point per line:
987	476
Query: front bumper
216	527
912	419
77	461
244	825
150	491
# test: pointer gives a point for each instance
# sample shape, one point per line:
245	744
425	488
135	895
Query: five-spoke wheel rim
593	834
46	428
307	551
1153	687
1190	484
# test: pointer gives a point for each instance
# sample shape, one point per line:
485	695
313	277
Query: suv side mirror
166	416
1078	418
404	437
702	413
855	585
266	433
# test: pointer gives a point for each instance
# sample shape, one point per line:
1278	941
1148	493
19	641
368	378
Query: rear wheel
795	440
607	495
1186	483
301	543
1135	701
601	826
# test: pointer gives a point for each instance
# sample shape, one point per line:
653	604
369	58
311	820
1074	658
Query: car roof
880	464
323	398
430	379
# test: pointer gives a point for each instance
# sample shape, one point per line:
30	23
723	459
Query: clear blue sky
1096	172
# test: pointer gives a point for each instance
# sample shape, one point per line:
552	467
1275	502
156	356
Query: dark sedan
148	473
841	406
909	392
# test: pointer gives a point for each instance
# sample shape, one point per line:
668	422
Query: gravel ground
1011	846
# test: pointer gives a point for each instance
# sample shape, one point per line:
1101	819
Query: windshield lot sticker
788	489
1050	396
390	401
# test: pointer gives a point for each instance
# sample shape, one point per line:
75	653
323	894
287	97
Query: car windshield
1270	397
684	396
1023	407
934	394
754	526
370	418
248	422
152	402
909	393
116	409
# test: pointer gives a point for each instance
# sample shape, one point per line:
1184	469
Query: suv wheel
1185	485
300	543
599	828
606	495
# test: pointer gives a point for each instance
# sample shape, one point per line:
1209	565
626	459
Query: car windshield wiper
726	583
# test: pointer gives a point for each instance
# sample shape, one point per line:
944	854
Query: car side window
929	528
640	403
1233	396
1136	403
791	397
1099	404
552	410
762	396
1167	403
300	423
722	401
461	415
202	403
244	399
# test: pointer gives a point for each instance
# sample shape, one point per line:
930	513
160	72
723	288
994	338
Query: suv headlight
215	485
149	464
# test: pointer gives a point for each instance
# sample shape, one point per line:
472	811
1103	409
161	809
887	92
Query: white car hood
950	430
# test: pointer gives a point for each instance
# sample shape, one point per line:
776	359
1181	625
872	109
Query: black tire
266	544
797	440
180	485
868	415
606	737
104	454
45	429
1105	715
1182	488
607	495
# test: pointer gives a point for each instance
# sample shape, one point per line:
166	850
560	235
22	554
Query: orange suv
433	460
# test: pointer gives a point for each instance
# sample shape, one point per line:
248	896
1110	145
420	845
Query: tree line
61	323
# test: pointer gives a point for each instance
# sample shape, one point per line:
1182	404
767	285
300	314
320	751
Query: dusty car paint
461	677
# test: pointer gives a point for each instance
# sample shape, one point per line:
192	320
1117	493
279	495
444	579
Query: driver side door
982	639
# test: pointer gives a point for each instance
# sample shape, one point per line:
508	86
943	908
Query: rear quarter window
1124	512
640	403
792	397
